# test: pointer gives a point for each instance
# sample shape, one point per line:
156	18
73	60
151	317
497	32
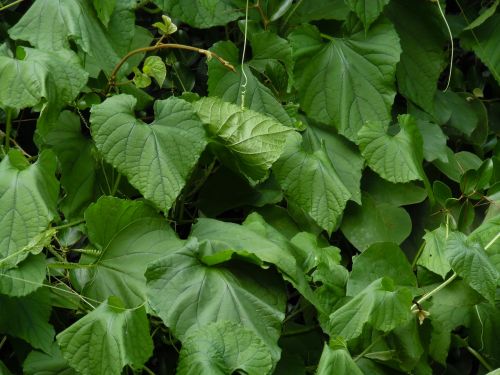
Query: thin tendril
452	45
245	78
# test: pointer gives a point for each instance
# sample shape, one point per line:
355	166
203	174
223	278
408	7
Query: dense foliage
274	187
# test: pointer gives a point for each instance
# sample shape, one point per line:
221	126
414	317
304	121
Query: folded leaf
335	359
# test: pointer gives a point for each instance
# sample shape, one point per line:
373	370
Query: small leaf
224	348
470	261
433	256
141	80
107	339
167	27
155	68
487	13
156	158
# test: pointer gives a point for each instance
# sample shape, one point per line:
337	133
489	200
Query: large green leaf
336	359
55	76
222	348
240	293
310	181
484	40
433	256
129	235
76	156
157	158
380	217
397	158
227	84
319	10
367	10
487	236
257	238
469	260
253	140
26	277
28	197
420	28
27	318
382	259
201	13
50	25
381	304
351	80
107	339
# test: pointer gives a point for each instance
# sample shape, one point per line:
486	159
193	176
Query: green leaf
487	236
380	217
167	27
434	141
319	10
487	13
336	359
25	278
155	68
50	363
156	158
367	10
254	238
240	293
457	164
141	80
305	163
28	197
380	304
383	259
345	157
221	348
55	76
396	158
254	140
201	14
104	9
420	28
470	261
107	339
50	26
129	235
226	84
76	155
351	80
483	40
433	256
27	318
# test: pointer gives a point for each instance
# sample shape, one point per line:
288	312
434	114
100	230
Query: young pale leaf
433	256
167	27
303	166
226	85
107	339
28	197
396	158
380	304
335	359
52	75
469	260
224	347
141	80
367	10
50	25
26	277
156	158
27	318
351	80
155	68
420	27
382	259
241	293
130	235
254	140
201	14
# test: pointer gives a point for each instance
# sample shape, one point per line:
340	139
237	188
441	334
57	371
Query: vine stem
480	358
208	54
451	41
428	295
492	241
11	5
8	128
